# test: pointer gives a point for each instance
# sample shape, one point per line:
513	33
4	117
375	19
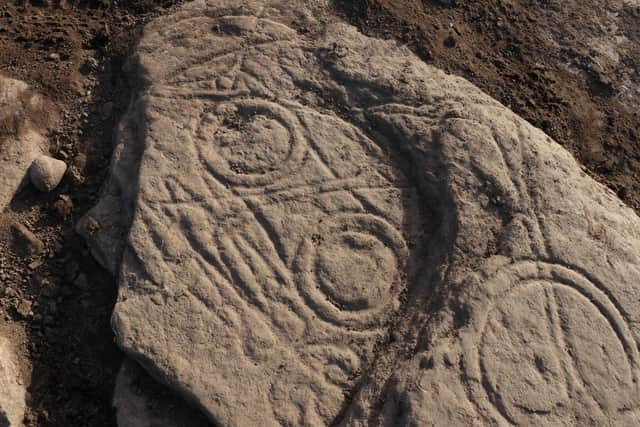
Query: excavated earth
307	224
56	301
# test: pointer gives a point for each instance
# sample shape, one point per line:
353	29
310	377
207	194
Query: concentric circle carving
351	271
550	344
250	142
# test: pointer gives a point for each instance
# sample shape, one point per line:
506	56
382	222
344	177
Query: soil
56	305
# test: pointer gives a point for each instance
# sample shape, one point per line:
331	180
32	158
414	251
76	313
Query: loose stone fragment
47	172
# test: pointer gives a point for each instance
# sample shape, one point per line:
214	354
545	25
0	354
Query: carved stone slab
326	230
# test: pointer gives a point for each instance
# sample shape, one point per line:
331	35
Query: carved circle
351	271
550	346
250	142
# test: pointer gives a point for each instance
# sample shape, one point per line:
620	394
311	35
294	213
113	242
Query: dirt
56	301
571	68
56	305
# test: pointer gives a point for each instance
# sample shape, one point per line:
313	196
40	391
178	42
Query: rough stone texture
326	230
22	118
46	173
12	390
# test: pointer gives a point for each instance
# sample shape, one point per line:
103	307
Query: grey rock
22	117
318	228
47	172
63	206
89	66
12	389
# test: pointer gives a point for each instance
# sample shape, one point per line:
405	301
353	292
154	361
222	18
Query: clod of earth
320	228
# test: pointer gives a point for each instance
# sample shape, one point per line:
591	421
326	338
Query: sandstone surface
23	117
12	389
313	227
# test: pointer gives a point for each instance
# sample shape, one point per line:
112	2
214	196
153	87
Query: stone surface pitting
326	230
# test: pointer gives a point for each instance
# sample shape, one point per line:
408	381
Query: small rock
25	242
46	173
92	225
53	57
35	264
63	206
24	309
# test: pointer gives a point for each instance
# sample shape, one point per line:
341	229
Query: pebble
47	172
24	309
90	65
35	264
